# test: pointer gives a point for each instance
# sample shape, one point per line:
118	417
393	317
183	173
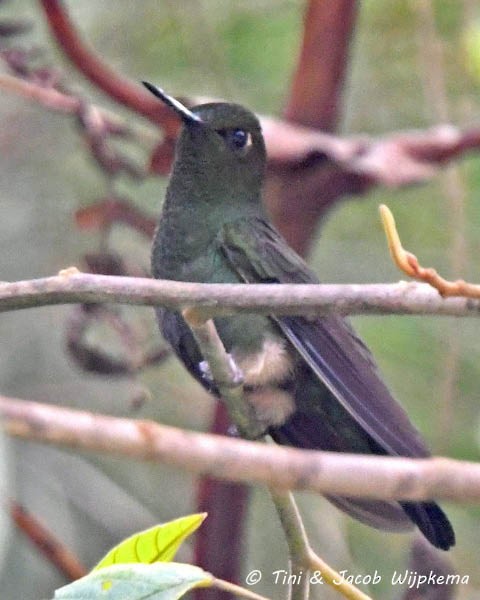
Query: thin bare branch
239	592
49	545
219	542
297	541
225	374
303	559
228	379
239	460
224	299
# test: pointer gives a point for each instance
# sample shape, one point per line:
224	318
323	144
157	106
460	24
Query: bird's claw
204	368
236	374
232	431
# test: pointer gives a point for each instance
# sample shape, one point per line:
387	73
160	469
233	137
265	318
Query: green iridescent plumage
312	382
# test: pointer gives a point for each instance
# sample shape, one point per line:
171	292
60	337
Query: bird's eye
237	139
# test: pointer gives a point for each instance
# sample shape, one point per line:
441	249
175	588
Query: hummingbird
311	382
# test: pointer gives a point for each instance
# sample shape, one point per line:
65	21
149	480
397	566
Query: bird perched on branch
311	382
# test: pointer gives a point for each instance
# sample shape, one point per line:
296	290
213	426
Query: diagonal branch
225	374
48	544
228	379
107	79
239	460
226	299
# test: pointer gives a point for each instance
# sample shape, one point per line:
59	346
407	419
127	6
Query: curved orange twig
409	264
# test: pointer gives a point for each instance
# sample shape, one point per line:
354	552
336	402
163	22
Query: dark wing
179	336
328	344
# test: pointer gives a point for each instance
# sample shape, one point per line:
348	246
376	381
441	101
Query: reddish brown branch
307	160
117	87
297	201
320	72
53	550
107	211
311	170
220	539
424	560
399	159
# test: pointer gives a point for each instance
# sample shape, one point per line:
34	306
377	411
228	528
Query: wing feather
329	345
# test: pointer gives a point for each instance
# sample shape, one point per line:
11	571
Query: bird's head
220	143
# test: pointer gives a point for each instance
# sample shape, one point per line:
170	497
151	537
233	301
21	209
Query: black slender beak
187	116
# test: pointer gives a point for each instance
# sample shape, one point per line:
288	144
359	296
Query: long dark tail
432	522
308	433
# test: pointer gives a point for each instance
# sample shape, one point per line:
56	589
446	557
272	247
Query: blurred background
412	65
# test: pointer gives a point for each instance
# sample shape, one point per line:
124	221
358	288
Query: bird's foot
236	374
232	431
204	368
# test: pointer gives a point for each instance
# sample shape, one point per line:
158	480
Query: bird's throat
185	245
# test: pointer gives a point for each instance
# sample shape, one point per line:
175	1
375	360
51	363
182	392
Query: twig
220	541
334	579
54	551
226	375
302	556
297	540
408	263
239	591
224	299
239	460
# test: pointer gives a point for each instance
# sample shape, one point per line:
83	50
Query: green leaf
471	43
160	581
157	544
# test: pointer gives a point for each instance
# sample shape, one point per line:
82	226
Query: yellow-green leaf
471	44
161	581
157	544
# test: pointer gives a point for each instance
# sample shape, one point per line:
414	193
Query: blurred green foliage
243	51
